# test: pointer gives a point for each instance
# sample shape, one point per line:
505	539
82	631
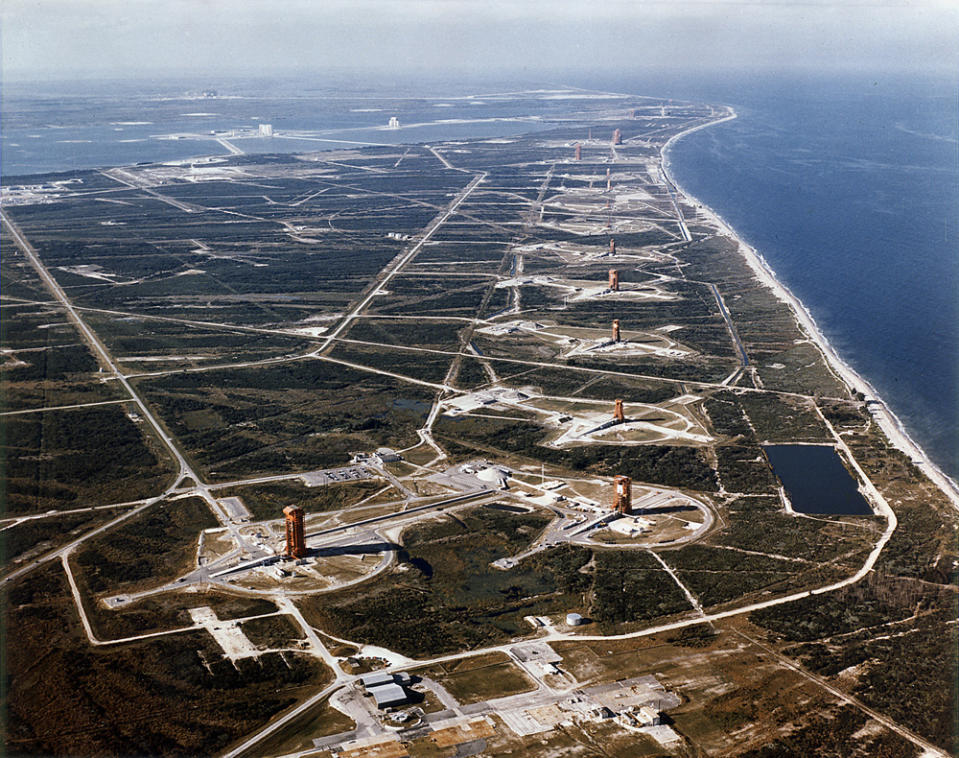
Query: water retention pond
816	480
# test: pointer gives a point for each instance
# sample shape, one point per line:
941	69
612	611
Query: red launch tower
623	494
295	538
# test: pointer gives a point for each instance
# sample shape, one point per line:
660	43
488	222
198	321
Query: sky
71	39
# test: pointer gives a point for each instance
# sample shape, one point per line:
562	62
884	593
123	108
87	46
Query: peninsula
486	446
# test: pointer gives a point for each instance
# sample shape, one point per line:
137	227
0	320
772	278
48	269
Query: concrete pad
228	635
375	747
465	731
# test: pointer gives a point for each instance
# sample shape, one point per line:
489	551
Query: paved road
66	549
743	358
106	360
100	351
436	224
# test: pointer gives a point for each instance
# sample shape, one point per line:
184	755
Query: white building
394	122
630	526
266	130
496	476
386	455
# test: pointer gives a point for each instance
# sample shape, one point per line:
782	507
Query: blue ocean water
849	187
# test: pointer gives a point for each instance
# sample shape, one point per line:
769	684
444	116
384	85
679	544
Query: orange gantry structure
295	537
618	414
623	498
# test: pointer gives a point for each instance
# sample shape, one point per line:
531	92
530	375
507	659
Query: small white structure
265	130
496	476
394	122
574	619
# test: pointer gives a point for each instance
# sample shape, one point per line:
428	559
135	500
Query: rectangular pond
816	480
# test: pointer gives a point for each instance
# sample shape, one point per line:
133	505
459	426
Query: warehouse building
386	689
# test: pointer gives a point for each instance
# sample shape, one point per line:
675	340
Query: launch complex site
447	449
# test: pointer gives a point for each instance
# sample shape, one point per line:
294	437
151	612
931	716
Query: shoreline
890	424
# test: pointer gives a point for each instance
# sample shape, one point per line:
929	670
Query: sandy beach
887	420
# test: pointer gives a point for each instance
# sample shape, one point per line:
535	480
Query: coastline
881	413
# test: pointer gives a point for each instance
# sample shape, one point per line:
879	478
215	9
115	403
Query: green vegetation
446	596
417	364
660	464
716	576
745	469
167	611
296	416
759	523
40	535
273	631
173	695
632	586
436	335
830	735
778	419
899	631
81	457
267	501
154	546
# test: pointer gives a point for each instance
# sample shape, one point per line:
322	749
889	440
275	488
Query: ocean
848	186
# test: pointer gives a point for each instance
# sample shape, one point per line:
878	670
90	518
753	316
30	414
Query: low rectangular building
376	680
387	695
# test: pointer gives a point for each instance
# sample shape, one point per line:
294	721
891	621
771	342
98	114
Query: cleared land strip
436	224
106	359
64	407
836	692
66	549
99	349
729	325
